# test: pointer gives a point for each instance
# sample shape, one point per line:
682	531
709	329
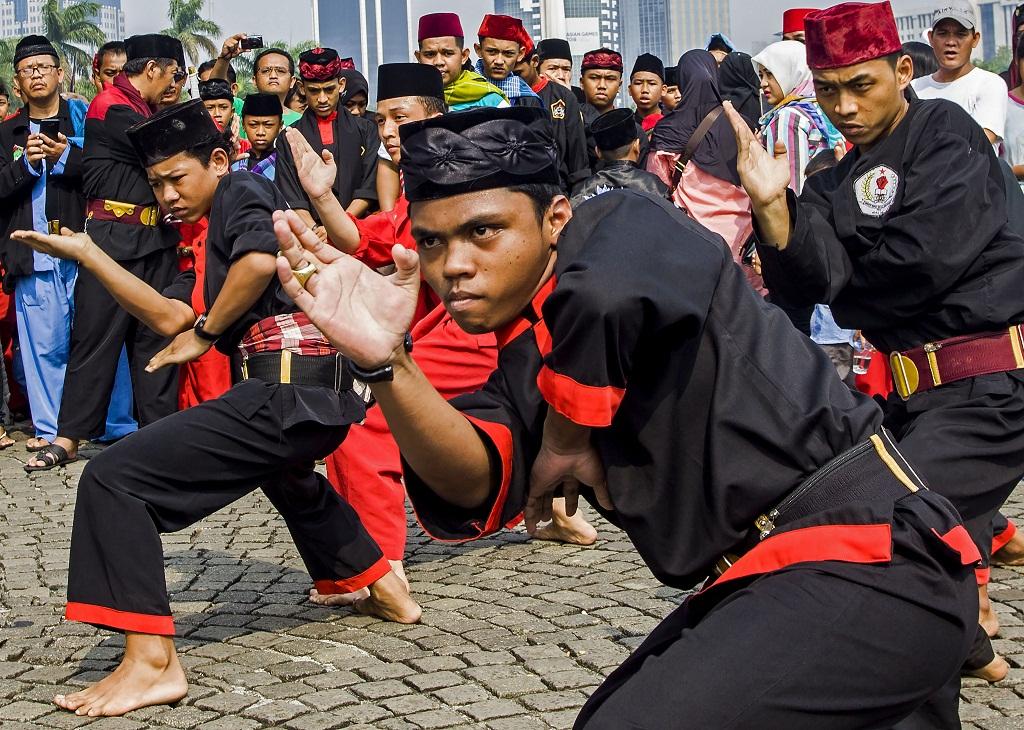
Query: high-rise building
24	17
372	32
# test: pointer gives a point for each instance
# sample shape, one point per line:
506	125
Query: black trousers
182	468
99	330
818	645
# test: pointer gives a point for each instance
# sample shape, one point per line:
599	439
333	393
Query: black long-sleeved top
707	406
567	126
618	174
64	199
907	240
354	147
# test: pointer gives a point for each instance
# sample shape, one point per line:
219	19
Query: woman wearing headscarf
739	84
357	93
795	119
708	186
1012	75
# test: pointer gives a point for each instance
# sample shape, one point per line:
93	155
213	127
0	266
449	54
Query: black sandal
52	456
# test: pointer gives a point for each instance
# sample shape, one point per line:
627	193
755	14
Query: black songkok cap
614	129
554	48
408	79
477	149
215	89
154	45
672	76
33	45
176	129
262	105
648	62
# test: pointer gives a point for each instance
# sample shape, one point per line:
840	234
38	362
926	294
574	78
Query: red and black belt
957	358
129	213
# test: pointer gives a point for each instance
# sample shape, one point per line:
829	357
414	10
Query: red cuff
350	585
501	437
982	576
142	623
1003	538
587	405
960	542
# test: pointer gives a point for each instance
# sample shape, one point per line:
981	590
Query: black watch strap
383	374
202	333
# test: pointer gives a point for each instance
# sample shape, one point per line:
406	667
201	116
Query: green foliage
69	29
193	30
999	62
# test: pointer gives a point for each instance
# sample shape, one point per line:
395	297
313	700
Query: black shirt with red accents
708	407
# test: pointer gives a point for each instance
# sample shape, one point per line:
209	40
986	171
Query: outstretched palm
363	314
764	174
316	173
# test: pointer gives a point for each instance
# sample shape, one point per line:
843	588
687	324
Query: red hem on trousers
843	543
142	623
587	405
959	541
350	585
1003	538
983	575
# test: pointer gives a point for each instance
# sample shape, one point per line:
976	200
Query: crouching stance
638	368
293	405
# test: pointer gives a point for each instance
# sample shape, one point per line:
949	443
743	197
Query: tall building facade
24	17
372	32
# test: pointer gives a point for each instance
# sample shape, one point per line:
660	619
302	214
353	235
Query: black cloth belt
326	371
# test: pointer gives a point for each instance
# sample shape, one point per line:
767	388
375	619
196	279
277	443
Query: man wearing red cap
442	45
601	79
503	44
793	23
883	238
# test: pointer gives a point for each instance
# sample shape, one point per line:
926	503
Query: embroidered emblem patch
18	152
558	110
876	190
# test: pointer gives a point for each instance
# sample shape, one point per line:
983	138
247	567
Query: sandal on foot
34	449
4	436
52	456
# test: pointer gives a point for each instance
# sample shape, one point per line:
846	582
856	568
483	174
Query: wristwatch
383	374
202	333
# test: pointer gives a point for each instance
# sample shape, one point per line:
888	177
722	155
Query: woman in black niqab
738	82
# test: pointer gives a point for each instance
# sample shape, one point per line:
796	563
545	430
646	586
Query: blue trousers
44	303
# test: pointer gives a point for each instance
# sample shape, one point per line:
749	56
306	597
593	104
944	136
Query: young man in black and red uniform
705	426
352	140
293	405
123	215
883	239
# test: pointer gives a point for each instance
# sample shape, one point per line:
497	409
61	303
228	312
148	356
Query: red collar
528	318
540	84
128	90
326	127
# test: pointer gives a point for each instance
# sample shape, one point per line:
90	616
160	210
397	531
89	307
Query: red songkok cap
850	33
319	64
602	58
440	25
793	19
503	28
347	63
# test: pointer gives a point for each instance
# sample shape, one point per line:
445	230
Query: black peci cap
614	129
215	89
262	105
554	48
154	45
477	149
173	130
648	62
408	79
33	45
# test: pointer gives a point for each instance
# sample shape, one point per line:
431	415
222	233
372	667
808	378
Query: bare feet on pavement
389	599
1012	553
994	671
573	530
149	674
987	616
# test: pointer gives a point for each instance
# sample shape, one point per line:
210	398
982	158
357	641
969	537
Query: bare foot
573	530
349	599
994	671
987	616
1012	553
35	443
149	674
389	599
67	444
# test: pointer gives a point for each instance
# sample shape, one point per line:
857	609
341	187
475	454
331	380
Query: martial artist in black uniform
123	216
703	423
907	239
293	405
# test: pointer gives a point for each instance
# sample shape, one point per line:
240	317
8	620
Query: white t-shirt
1012	147
980	93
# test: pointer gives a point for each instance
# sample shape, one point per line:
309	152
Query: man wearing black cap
554	57
618	147
646	87
671	98
566	120
350	139
262	122
219	99
123	218
293	405
667	403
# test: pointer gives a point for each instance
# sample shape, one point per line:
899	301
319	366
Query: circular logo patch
876	190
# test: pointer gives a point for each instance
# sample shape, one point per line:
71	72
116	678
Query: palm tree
69	28
192	29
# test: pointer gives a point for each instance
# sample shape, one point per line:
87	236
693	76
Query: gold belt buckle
904	375
148	216
118	209
53	227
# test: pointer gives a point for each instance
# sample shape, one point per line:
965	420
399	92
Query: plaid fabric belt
957	358
111	210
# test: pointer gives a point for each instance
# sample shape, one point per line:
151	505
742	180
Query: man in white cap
979	92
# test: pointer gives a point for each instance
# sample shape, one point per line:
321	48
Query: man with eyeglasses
122	216
273	70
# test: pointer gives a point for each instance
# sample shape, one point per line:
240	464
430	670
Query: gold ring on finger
304	274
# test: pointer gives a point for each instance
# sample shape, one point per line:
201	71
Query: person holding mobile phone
41	182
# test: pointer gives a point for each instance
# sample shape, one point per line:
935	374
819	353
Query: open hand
764	174
68	245
363	314
554	468
316	172
186	347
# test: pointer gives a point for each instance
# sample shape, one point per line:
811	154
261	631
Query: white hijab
787	61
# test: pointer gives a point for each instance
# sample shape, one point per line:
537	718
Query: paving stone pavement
515	633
